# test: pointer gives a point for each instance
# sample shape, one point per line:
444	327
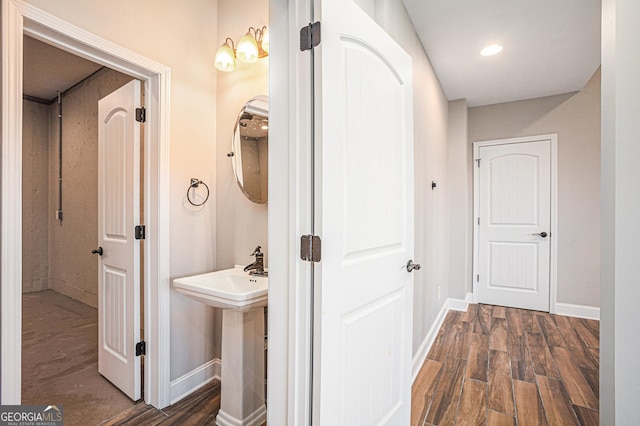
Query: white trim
289	372
553	261
19	17
254	419
422	352
578	311
195	379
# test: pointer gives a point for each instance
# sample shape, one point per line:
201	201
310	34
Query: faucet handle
256	251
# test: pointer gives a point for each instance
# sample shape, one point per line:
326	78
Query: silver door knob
540	234
412	266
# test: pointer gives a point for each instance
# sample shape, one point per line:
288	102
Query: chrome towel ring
195	182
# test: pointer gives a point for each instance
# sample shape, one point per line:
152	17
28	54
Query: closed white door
514	231
364	303
119	213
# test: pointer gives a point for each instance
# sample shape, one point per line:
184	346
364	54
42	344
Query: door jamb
289	355
553	261
20	18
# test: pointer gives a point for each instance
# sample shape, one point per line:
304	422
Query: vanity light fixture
252	46
225	57
491	50
265	39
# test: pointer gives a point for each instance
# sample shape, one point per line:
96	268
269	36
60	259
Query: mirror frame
258	105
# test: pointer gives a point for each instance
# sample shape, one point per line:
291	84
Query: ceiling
48	69
550	46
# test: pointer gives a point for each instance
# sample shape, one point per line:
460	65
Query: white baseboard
449	305
195	379
459	304
580	311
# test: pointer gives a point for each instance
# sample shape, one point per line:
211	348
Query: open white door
513	193
119	213
364	292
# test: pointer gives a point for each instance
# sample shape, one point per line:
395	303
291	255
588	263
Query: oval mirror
250	149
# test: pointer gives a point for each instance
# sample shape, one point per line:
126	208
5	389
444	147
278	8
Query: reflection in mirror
250	149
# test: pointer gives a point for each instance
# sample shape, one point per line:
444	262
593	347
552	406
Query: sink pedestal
242	400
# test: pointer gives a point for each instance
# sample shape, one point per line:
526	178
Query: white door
119	213
514	212
363	373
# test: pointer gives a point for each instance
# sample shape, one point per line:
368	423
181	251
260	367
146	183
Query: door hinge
141	114
141	348
478	221
310	249
309	36
141	232
478	278
478	161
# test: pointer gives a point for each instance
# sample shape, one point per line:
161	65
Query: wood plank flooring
494	365
199	408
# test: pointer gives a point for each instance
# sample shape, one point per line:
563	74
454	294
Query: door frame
18	19
290	177
553	254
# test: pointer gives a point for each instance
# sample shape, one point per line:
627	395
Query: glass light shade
265	40
247	50
225	58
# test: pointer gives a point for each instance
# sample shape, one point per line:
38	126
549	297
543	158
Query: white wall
575	117
184	37
620	292
430	109
460	200
241	224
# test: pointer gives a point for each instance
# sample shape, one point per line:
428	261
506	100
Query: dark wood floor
503	366
199	408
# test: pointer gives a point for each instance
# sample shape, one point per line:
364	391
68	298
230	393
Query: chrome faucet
257	267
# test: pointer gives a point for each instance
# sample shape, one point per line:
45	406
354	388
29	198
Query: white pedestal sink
242	298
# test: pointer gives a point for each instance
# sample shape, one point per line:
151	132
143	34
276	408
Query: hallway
504	366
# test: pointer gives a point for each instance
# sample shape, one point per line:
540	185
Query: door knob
412	266
97	251
540	234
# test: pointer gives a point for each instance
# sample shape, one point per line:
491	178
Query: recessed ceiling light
491	50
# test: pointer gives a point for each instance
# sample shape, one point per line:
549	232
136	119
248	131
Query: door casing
553	264
18	19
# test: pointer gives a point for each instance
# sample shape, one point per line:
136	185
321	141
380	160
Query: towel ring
194	184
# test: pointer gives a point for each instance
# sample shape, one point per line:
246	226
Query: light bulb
265	40
225	58
247	50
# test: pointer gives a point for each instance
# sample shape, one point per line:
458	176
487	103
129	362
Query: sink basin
226	289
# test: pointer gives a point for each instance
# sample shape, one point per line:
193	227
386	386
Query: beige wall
430	109
241	224
184	37
35	197
575	117
73	269
460	200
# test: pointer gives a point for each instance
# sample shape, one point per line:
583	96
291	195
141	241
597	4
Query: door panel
363	365
514	204
119	213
